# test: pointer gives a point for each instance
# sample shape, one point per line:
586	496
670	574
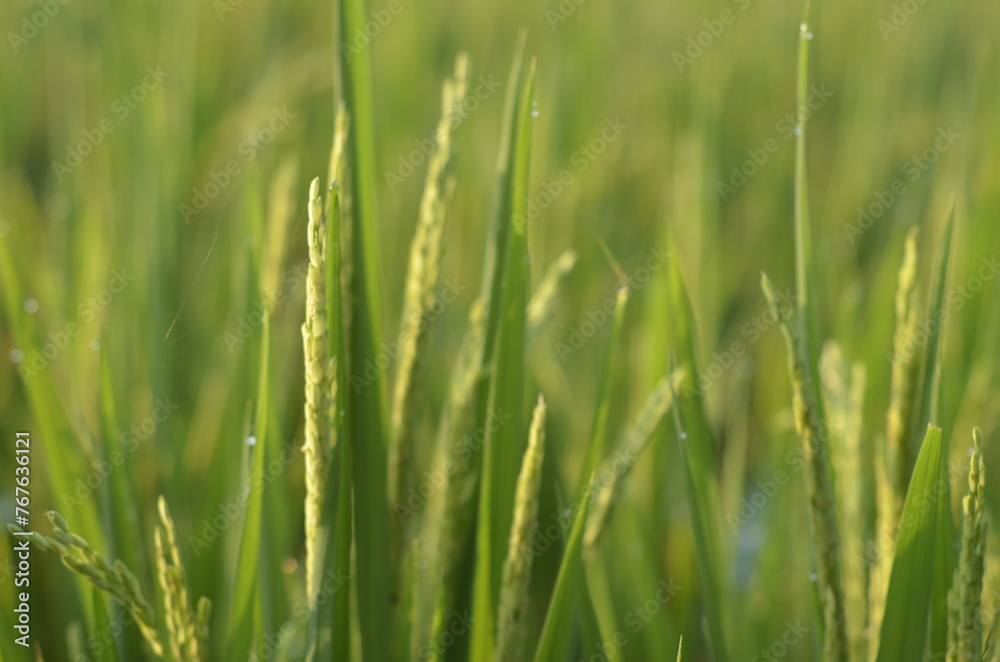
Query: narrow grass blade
339	608
62	459
599	431
601	598
553	644
805	285
341	603
802	337
244	622
124	519
945	560
928	409
503	448
910	584
106	651
495	258
7	644
366	405
697	448
598	589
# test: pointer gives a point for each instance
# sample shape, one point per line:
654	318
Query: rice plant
385	374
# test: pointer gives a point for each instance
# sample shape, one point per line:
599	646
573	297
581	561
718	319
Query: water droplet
16	355
534	109
335	185
31	306
251	440
809	35
803	27
684	435
567	512
813	576
95	345
797	131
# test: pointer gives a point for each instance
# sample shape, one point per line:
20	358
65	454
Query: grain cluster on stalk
800	331
320	382
813	435
616	467
512	608
544	297
188	630
421	280
420	306
885	526
905	364
965	598
843	393
112	578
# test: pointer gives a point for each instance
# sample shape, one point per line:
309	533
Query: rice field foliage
566	331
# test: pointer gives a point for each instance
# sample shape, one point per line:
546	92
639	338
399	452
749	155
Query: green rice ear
319	375
114	579
513	602
184	627
968	587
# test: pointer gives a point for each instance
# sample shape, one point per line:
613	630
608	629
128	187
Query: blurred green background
252	82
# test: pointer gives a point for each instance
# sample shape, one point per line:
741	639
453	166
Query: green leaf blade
504	447
910	583
553	644
366	406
